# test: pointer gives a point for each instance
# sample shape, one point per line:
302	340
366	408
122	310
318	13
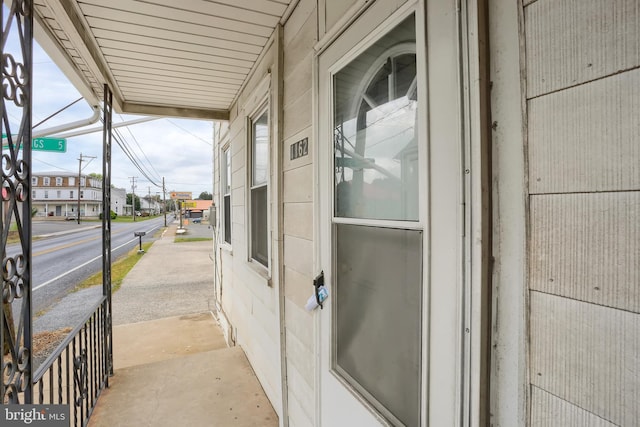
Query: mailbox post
139	234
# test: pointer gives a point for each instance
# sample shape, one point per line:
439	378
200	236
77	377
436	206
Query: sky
180	150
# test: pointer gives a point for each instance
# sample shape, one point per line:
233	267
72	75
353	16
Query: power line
52	165
142	151
121	143
57	112
190	133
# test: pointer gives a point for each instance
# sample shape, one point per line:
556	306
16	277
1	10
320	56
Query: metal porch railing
78	370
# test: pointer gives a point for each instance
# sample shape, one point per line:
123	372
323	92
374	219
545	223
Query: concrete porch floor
178	371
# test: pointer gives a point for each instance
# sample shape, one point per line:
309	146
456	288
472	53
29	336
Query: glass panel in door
377	270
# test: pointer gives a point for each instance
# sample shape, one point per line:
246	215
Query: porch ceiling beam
158	110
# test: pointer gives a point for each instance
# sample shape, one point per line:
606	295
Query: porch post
106	229
15	210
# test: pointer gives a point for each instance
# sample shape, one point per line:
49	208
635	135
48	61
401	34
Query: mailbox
139	235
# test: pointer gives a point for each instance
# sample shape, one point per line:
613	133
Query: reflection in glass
260	150
259	193
226	194
375	133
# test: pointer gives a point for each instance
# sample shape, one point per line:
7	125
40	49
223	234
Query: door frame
389	15
460	133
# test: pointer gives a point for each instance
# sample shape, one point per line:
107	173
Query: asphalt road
72	253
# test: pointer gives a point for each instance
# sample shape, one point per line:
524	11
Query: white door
375	181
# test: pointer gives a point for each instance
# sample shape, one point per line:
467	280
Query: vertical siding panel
586	138
548	410
587	247
574	41
587	355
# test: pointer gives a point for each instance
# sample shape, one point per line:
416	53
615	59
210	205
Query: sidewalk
172	365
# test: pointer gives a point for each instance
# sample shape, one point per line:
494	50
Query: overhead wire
52	165
157	175
56	113
137	162
190	133
121	141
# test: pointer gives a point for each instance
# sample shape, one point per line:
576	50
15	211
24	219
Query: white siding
582	59
249	299
300	34
587	355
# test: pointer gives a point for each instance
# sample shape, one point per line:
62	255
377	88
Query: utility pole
80	179
133	197
149	201
164	203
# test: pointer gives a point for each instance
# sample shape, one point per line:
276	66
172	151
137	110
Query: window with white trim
46	181
34	180
46	194
259	194
59	181
226	194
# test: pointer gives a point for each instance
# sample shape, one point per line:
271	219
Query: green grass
191	239
119	270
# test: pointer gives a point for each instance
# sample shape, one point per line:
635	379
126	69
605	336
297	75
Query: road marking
48	282
68	245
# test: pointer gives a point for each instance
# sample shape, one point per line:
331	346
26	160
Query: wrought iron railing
78	370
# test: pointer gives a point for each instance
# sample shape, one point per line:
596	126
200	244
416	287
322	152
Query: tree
137	206
205	196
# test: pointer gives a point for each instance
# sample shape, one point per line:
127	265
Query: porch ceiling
185	58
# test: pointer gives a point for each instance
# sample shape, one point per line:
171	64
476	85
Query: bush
34	211
112	213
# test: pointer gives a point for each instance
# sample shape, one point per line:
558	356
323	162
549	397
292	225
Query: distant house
55	194
150	204
119	201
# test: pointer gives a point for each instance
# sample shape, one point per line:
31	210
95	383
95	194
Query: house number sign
299	149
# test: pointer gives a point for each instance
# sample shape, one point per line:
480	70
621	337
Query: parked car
196	220
71	217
